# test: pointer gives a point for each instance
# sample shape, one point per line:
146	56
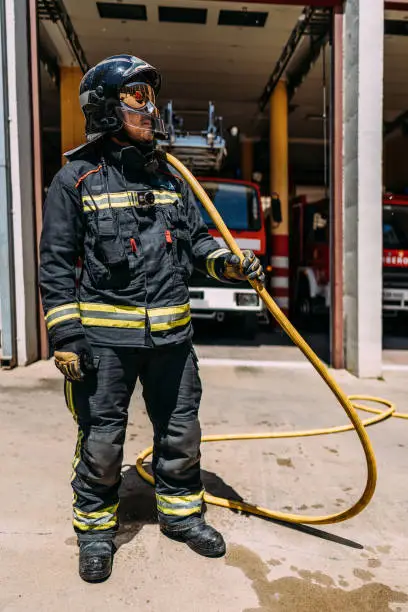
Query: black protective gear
139	235
75	358
250	268
200	537
99	93
95	559
172	393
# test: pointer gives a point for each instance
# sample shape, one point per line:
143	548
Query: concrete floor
359	565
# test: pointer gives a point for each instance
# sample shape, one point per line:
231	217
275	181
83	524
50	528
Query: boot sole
95	579
213	554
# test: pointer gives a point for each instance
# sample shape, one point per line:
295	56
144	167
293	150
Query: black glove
75	358
250	268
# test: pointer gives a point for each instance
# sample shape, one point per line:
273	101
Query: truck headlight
247	299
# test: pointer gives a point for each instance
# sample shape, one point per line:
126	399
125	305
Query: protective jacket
138	233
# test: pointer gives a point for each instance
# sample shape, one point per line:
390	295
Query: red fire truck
310	257
239	204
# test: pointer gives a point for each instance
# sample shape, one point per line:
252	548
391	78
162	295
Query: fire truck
239	203
310	257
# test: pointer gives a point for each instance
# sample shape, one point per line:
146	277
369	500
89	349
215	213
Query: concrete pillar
72	118
363	113
21	173
280	185
247	159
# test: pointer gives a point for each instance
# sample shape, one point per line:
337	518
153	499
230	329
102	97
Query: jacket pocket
183	252
106	258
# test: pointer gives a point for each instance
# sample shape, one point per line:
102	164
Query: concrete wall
363	113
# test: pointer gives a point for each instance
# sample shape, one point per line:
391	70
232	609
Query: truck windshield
237	204
395	227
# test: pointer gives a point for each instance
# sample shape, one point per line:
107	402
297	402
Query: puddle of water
312	591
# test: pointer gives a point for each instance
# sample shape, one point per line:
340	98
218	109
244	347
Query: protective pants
99	404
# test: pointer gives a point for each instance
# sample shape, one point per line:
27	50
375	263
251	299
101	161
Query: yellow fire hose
346	402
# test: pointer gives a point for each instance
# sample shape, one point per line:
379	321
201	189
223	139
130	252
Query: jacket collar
125	156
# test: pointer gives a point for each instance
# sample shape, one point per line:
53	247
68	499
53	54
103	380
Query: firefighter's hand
75	359
250	269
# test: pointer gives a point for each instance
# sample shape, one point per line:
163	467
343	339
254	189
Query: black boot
95	559
202	538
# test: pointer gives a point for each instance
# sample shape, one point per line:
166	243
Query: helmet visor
137	95
138	110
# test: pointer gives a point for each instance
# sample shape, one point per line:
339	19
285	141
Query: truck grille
395	280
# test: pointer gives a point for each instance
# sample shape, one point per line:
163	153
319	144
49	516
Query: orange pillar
72	118
247	159
279	160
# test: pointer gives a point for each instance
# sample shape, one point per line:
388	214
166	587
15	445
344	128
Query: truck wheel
303	306
250	326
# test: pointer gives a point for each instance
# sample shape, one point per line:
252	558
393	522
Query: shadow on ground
138	508
138	504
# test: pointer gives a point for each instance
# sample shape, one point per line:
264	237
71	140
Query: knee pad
102	455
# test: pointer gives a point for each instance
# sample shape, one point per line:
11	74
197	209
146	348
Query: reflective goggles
136	96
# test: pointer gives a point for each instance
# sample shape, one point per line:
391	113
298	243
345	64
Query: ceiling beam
402	5
288	52
319	35
55	11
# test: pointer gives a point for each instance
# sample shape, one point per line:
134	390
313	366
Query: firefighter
117	207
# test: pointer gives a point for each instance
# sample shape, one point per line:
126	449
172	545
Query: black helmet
119	84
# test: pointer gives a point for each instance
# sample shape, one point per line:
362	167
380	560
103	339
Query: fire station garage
295	102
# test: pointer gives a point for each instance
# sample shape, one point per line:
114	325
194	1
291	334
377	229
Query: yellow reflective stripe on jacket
124	199
211	259
134	317
62	313
184	505
162	319
106	322
170	324
169	310
108	315
111	308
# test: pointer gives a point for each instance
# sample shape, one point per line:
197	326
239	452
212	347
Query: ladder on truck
201	152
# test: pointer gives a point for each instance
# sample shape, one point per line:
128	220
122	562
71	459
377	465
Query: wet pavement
358	565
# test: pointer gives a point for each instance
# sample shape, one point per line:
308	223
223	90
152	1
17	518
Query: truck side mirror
276	208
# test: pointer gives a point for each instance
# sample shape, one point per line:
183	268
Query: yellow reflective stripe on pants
184	505
95	521
69	398
85	527
106	512
181	499
77	456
